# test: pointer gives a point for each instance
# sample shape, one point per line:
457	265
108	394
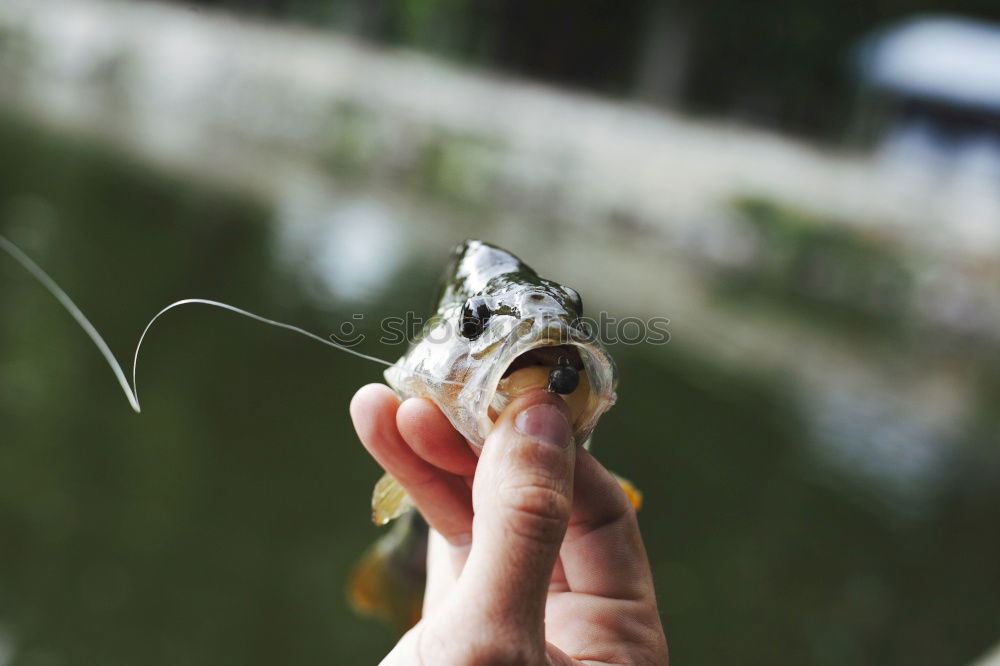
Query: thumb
522	497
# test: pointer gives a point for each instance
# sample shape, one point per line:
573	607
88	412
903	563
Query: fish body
499	330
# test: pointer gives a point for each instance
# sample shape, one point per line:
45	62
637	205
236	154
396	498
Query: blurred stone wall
258	105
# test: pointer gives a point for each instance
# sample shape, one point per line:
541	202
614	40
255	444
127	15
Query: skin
535	555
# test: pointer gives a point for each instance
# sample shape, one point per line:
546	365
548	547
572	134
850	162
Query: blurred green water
218	527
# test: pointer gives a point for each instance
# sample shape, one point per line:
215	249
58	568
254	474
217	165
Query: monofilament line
70	306
134	397
132	392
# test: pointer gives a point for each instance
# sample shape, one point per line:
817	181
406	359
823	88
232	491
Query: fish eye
475	314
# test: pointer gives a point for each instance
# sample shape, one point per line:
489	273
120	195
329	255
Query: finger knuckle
536	511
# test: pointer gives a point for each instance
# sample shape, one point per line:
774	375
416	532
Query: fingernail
546	423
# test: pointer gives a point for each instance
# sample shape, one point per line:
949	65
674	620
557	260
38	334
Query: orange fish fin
388	581
389	500
633	493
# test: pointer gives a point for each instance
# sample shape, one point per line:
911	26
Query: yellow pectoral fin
633	493
389	500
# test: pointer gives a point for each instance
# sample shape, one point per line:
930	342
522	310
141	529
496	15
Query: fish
499	330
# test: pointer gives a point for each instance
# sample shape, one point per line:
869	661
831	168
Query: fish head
501	330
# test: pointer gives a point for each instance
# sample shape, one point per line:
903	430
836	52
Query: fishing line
61	296
132	392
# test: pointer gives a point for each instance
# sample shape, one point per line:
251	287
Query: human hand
535	555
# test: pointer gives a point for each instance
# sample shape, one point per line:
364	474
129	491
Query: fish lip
600	367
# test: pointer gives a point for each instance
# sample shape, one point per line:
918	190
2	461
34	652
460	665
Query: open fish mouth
534	368
546	357
540	363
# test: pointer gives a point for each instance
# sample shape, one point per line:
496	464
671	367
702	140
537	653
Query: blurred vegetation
782	63
219	526
832	273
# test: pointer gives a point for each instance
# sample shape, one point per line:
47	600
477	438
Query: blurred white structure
948	60
932	87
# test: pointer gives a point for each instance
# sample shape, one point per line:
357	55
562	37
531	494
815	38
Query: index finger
443	498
